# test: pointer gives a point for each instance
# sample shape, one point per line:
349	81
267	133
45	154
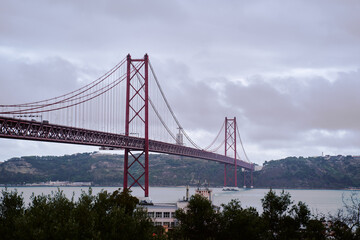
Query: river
319	201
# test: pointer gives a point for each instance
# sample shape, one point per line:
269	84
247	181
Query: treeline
117	215
102	216
280	219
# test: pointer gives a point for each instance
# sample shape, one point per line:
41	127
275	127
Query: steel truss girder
37	131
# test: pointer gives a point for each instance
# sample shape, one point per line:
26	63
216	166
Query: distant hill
330	172
335	172
108	169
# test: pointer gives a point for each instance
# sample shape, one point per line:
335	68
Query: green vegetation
106	169
104	216
335	172
280	219
117	216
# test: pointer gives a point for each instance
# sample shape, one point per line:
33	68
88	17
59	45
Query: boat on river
231	189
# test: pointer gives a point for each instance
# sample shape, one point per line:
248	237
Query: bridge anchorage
113	112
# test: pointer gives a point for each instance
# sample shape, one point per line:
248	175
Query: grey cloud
301	103
335	105
26	81
201	50
238	36
195	103
304	114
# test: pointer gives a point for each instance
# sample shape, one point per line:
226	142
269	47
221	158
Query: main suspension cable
242	145
117	82
218	147
217	136
94	83
157	112
71	99
170	109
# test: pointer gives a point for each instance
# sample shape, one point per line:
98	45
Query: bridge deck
37	131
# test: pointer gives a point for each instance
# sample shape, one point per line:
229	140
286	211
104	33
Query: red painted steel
127	117
37	131
235	151
137	90
230	145
146	61
225	173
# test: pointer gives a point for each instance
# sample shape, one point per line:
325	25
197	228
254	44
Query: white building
163	214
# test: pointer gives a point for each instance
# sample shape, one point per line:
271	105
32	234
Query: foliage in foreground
116	216
280	219
101	216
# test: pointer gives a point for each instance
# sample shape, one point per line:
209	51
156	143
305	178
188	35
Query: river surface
319	201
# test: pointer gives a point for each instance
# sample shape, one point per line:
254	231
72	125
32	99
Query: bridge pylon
248	181
137	113
230	146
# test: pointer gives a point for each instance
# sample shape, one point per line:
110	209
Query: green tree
341	231
198	221
84	216
315	230
104	216
11	213
285	220
239	223
275	214
117	217
50	217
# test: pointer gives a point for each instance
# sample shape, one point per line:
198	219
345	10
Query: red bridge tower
230	146
137	110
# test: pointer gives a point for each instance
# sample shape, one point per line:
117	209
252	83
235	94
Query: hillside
330	172
104	169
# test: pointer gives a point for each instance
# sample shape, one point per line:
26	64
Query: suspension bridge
125	108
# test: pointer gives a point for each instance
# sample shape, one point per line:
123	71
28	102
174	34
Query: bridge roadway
46	132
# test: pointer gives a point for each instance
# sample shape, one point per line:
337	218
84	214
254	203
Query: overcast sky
288	70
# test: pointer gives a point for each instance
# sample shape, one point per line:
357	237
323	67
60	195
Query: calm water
319	201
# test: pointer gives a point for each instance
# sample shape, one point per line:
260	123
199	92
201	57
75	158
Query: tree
50	217
315	229
352	209
275	213
104	216
117	217
346	222
11	213
198	221
239	223
84	216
